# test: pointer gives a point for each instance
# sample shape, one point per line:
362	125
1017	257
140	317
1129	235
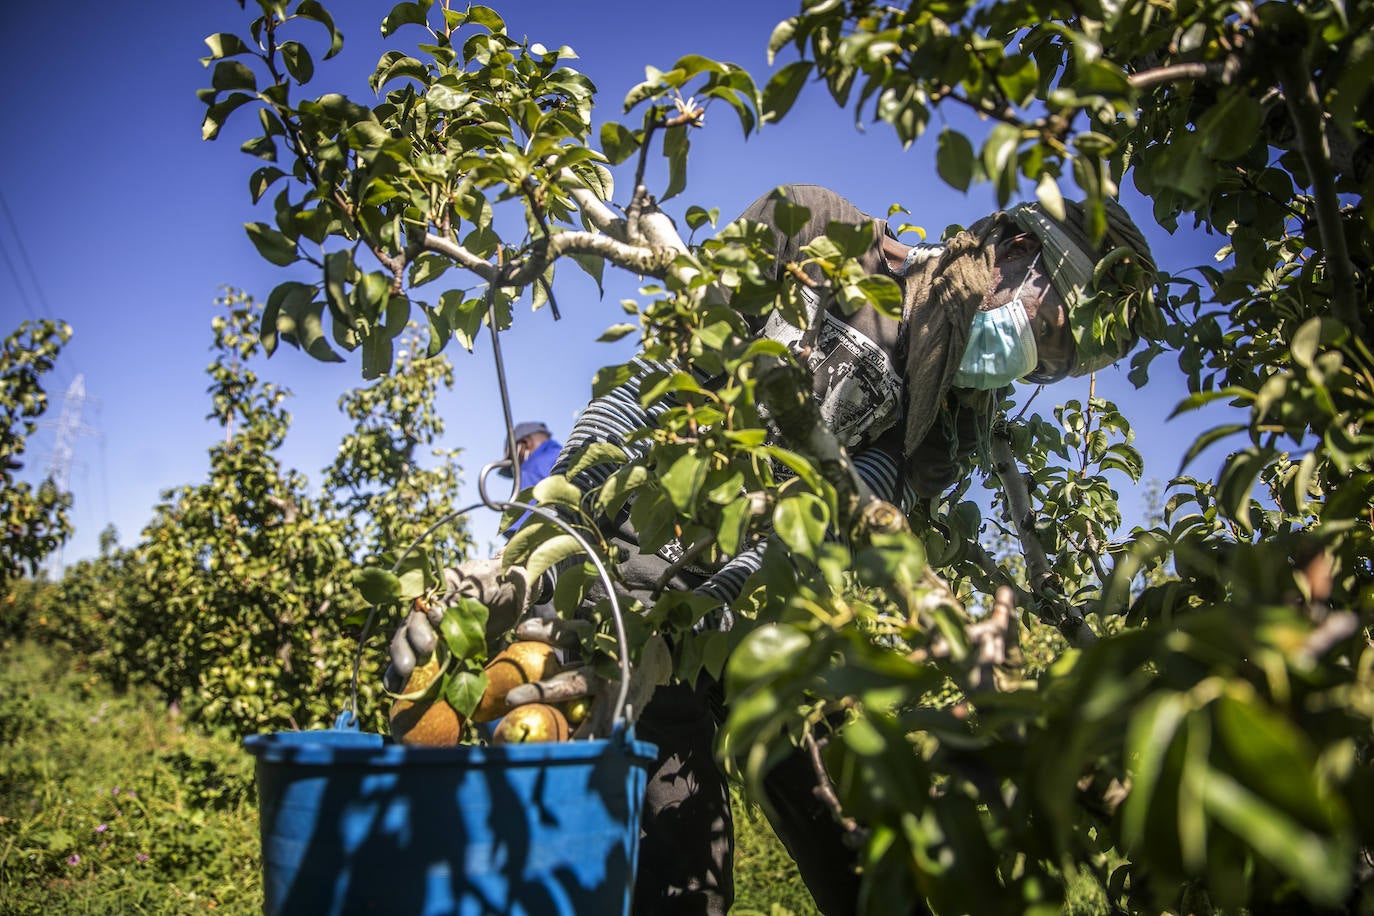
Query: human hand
506	593
653	668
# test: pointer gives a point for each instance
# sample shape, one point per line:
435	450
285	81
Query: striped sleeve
614	417
876	466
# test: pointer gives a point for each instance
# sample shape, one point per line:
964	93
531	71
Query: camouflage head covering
1102	284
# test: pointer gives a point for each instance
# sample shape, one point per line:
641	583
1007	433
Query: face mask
1001	345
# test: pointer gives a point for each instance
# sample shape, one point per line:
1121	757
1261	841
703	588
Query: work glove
507	594
653	667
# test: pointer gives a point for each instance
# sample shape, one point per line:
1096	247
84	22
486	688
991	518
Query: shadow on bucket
354	824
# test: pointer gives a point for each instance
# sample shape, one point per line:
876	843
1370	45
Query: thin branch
988	564
1222	71
825	789
1043	582
1305	107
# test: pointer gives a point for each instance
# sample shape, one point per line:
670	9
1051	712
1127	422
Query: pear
530	723
425	721
519	663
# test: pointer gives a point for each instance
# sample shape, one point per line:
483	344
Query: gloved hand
654	667
507	594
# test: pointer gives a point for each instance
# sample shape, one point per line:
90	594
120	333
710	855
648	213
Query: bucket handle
619	711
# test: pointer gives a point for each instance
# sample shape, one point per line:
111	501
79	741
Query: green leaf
297	60
403	14
277	300
1152	731
557	490
790	218
428	267
311	9
954	159
377	585
618	142
597	179
596	453
1303	856
309	333
271	244
464	628
734	521
1048	193
1310	339
463	690
1229	128
801	521
999	159
616	332
882	293
233	74
552	552
225	44
337	267
1208	438
697	217
218	113
1236	482
768	651
683	481
782	89
619	486
262	179
675	146
488	18
1273	757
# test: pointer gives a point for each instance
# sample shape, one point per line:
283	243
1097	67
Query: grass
109	804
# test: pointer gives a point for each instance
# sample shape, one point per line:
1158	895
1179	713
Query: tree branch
1305	107
1044	583
1223	71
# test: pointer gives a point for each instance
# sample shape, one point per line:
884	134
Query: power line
18	284
59	370
24	256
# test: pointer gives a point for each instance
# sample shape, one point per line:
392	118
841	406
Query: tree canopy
1183	711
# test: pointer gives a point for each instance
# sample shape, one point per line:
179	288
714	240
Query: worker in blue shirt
536	450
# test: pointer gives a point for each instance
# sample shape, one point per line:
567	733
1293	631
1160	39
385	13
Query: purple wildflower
73	859
102	828
142	857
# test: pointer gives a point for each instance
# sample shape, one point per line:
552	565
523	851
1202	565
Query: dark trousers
687	835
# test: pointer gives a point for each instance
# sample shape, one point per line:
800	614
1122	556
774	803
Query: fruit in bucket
519	663
530	723
418	719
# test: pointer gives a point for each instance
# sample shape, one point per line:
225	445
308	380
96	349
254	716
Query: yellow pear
425	721
531	722
519	663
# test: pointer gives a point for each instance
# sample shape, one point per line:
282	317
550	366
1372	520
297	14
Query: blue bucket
353	823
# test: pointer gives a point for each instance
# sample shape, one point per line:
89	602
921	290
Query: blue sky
121	221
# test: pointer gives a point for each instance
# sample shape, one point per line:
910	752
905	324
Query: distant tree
236	602
380	484
1199	742
34	518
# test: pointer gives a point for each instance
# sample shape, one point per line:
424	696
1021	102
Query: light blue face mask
1001	345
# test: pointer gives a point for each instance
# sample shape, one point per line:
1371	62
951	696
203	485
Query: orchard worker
536	451
1010	299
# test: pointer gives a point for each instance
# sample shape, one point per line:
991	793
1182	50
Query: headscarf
1101	284
943	294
